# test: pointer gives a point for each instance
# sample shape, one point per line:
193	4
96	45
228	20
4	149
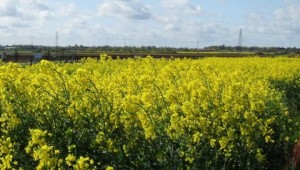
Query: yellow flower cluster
146	113
41	151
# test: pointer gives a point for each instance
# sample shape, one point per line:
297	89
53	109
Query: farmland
147	113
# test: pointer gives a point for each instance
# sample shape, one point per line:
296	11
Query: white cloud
66	10
184	6
8	8
175	14
174	3
287	19
38	19
255	18
282	26
169	23
128	9
294	12
23	13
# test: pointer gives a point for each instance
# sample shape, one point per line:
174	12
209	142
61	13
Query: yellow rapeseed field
145	113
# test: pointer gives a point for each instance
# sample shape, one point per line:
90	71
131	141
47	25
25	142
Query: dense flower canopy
149	113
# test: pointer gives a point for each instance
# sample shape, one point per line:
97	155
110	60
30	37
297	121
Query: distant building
9	48
37	56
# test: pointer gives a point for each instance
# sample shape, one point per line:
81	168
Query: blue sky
176	23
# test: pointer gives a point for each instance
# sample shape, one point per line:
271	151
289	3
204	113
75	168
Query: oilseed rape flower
109	168
146	113
212	142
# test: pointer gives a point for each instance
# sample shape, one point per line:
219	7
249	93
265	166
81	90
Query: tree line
155	49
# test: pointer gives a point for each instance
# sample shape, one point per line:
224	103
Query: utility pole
16	55
240	45
75	56
56	39
56	46
125	44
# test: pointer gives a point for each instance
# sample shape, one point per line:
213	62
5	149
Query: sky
172	23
